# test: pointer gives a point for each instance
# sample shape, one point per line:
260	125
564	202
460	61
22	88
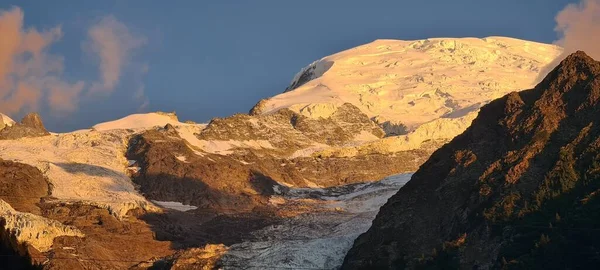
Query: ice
318	239
416	81
175	206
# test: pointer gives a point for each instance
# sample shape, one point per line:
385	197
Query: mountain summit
518	189
413	82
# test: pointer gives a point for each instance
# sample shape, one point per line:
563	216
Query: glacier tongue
318	239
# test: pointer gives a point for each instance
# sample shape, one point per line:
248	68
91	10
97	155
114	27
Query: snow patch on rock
181	158
315	110
176	206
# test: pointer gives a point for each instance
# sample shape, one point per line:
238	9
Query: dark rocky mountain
517	190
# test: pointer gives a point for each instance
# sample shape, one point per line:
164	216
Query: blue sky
208	59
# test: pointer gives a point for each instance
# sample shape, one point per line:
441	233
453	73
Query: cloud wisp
113	44
29	74
578	26
32	78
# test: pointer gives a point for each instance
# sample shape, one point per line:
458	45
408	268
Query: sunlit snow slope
416	82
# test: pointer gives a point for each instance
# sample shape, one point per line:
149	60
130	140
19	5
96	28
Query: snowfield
138	121
416	82
318	239
175	206
89	165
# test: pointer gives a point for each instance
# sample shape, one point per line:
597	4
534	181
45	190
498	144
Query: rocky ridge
31	126
516	190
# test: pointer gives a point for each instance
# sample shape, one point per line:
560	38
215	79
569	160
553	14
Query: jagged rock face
33	120
258	108
284	132
30	126
512	191
311	72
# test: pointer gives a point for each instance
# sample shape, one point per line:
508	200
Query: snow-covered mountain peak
137	121
416	81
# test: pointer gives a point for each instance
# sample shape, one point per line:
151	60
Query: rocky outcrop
258	108
284	132
30	126
310	72
34	121
205	258
200	258
171	171
22	186
518	189
172	115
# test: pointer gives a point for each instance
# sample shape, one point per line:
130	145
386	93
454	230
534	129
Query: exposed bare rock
34	121
22	186
109	243
205	258
258	108
288	130
172	115
30	126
